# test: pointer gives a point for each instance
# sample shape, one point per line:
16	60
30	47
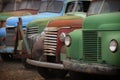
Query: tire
7	57
37	51
78	76
26	65
48	73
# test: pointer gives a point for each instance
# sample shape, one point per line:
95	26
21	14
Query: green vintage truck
95	49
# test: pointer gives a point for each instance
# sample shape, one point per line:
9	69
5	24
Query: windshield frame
57	9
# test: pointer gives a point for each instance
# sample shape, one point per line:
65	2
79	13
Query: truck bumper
45	64
7	50
96	68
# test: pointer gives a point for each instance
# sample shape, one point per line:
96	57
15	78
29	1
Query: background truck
48	46
94	49
46	10
18	8
12	41
13	8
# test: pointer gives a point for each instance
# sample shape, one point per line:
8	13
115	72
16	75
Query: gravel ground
14	70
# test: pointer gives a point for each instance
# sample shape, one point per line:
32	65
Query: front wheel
48	73
79	76
26	65
7	57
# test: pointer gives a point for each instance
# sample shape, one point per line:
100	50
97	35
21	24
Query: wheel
49	73
7	57
37	51
79	76
26	65
105	77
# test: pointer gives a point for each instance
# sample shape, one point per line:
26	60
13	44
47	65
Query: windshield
10	6
51	6
30	4
23	4
104	6
77	6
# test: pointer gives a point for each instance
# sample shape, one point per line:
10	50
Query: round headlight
113	45
67	40
62	36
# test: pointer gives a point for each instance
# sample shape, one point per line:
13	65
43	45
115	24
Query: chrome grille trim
10	37
32	35
51	38
49	46
31	31
50	41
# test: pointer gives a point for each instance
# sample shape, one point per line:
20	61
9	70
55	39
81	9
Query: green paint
95	21
75	50
91	44
108	56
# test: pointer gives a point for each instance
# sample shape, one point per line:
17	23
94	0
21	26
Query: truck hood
68	21
5	15
81	14
42	23
12	21
99	21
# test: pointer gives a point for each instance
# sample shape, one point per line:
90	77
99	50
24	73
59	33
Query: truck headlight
67	40
113	45
62	36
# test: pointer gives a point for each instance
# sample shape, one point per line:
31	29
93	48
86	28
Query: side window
105	8
70	7
85	5
78	6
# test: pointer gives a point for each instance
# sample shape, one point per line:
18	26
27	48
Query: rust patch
66	23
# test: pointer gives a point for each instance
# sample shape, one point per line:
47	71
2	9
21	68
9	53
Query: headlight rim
70	40
62	34
116	45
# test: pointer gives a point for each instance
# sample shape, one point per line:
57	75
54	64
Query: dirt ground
14	70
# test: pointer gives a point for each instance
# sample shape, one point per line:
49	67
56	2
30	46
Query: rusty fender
91	67
45	64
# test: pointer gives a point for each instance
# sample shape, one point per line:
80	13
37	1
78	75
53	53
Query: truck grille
50	42
31	35
31	31
10	37
92	46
